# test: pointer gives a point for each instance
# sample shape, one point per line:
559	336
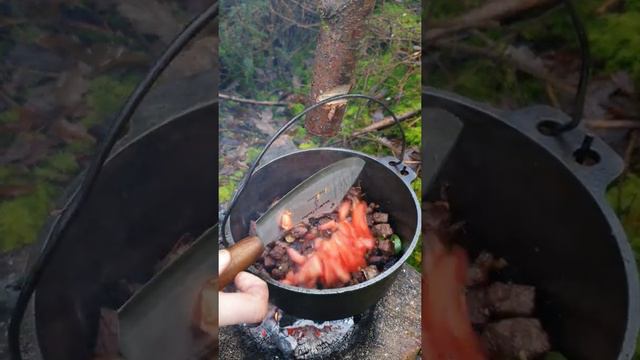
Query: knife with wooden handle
162	312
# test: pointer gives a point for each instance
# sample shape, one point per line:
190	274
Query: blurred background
66	68
512	54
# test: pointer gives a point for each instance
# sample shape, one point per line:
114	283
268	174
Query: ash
286	337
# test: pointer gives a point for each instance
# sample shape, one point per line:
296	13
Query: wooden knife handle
243	253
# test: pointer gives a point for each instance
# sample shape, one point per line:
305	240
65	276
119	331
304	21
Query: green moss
296	108
21	218
415	259
57	168
106	96
26	33
625	199
615	40
307	145
9	116
225	192
252	154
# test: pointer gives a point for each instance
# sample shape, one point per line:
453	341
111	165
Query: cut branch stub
335	60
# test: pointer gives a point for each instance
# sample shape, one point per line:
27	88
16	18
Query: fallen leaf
151	17
10	191
70	132
72	85
27	148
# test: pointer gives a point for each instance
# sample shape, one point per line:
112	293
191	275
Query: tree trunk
335	61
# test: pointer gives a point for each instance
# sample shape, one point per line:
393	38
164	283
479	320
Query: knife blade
319	194
157	322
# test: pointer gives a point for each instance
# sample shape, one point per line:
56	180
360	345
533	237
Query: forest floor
66	68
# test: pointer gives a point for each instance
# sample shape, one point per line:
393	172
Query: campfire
353	244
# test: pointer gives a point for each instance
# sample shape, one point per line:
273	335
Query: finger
224	258
250	305
251	284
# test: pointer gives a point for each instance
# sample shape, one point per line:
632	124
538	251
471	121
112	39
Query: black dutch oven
385	181
382	183
145	199
525	197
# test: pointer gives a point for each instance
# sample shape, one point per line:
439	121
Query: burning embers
295	338
466	315
334	250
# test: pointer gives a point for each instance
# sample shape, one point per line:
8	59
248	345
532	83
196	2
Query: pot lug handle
585	154
405	173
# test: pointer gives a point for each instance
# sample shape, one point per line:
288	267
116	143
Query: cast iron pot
526	198
156	186
382	183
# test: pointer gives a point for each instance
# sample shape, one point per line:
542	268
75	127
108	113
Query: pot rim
408	251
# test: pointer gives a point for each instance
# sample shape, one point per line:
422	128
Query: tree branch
251	101
613	124
487	14
386	122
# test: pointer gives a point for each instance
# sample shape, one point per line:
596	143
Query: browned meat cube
378	260
477	276
280	271
479	271
386	247
477	305
380	217
370	220
517	338
511	299
269	262
279	251
370	272
383	230
299	231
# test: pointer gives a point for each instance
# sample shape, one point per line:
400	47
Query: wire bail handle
398	164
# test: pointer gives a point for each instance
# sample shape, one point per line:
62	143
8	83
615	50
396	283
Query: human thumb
224	258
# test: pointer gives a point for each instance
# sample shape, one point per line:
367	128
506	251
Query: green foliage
257	52
625	199
21	218
554	355
615	40
307	145
415	259
252	154
9	116
57	168
228	186
225	192
106	96
296	108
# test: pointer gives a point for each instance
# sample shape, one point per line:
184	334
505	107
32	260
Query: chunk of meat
517	338
269	263
280	271
479	271
383	230
380	217
511	299
279	251
299	231
370	272
386	247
